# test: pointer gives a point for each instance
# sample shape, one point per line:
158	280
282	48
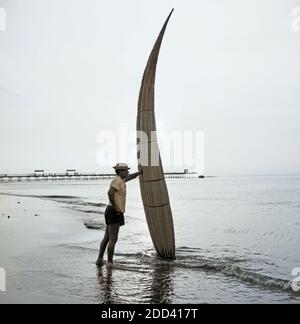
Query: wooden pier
5	178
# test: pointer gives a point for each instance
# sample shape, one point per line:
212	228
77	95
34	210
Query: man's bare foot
99	262
109	265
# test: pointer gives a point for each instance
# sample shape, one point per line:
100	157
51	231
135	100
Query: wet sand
40	268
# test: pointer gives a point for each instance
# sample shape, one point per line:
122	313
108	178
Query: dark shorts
112	217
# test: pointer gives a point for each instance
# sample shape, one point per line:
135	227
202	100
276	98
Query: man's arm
133	176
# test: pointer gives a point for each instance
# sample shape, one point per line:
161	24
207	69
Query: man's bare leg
113	230
103	246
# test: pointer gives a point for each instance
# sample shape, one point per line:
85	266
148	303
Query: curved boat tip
167	21
150	70
171	13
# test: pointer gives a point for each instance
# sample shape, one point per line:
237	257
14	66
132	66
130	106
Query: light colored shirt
120	195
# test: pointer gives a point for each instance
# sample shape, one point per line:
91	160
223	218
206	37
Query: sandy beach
34	234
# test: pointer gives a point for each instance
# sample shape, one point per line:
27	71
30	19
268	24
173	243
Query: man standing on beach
114	213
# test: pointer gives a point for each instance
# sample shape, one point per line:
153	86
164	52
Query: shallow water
237	241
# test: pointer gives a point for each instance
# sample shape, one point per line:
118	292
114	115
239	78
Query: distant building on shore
71	172
39	172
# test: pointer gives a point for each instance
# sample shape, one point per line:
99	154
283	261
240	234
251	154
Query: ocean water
237	241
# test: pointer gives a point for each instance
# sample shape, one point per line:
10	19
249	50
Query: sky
71	70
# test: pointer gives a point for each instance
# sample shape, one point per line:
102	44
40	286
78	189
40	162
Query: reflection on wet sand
106	296
162	286
154	284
